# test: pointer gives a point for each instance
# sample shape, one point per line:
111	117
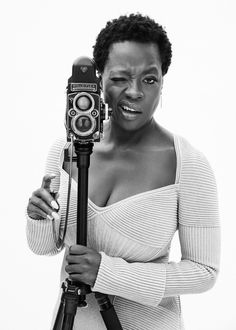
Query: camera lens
83	103
83	124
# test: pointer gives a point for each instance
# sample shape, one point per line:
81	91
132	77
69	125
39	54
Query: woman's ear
101	85
100	81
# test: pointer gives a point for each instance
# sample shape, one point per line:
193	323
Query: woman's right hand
41	204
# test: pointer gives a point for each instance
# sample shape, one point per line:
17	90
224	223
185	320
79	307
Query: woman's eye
118	79
150	80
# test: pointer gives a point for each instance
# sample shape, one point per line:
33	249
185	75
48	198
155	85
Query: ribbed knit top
134	237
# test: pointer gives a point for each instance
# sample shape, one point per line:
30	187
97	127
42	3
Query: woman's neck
121	138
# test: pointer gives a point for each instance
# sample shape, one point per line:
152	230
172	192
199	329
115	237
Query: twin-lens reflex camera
85	109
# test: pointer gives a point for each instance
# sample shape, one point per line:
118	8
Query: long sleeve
199	230
39	232
198	224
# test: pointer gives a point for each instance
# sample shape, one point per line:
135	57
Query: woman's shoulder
193	163
187	150
58	145
55	153
59	142
183	148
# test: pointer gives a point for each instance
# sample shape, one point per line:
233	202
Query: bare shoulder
166	157
165	139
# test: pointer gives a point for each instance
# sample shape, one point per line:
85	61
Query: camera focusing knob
109	112
96	135
105	112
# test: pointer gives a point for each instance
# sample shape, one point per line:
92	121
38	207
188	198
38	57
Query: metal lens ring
83	102
94	113
83	124
72	113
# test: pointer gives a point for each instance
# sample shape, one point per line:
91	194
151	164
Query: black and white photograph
118	165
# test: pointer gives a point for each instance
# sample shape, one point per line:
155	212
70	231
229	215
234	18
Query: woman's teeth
129	113
129	109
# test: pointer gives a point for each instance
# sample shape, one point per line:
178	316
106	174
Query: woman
144	184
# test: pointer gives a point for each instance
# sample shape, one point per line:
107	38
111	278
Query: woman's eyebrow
152	69
122	71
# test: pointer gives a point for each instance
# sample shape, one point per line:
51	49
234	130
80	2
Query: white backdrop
41	39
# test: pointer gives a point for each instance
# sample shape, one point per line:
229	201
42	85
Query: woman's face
132	83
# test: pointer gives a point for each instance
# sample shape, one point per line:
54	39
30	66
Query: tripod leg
110	319
108	312
60	313
69	313
68	322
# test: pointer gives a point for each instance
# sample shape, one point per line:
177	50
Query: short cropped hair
134	27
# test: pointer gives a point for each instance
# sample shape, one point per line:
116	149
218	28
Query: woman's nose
134	91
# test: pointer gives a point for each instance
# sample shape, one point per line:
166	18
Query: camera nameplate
76	87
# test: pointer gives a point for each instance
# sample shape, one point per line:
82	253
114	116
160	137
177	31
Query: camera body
85	110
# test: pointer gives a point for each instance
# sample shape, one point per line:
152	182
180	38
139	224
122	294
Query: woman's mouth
128	112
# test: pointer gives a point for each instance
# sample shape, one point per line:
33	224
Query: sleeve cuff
40	236
140	282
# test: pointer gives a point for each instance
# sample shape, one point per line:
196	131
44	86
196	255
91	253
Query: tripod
74	293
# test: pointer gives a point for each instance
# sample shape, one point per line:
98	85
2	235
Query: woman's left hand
83	264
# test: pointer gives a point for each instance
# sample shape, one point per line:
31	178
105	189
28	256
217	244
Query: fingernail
54	205
55	215
49	217
52	174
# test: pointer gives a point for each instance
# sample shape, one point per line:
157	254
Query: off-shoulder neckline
143	193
